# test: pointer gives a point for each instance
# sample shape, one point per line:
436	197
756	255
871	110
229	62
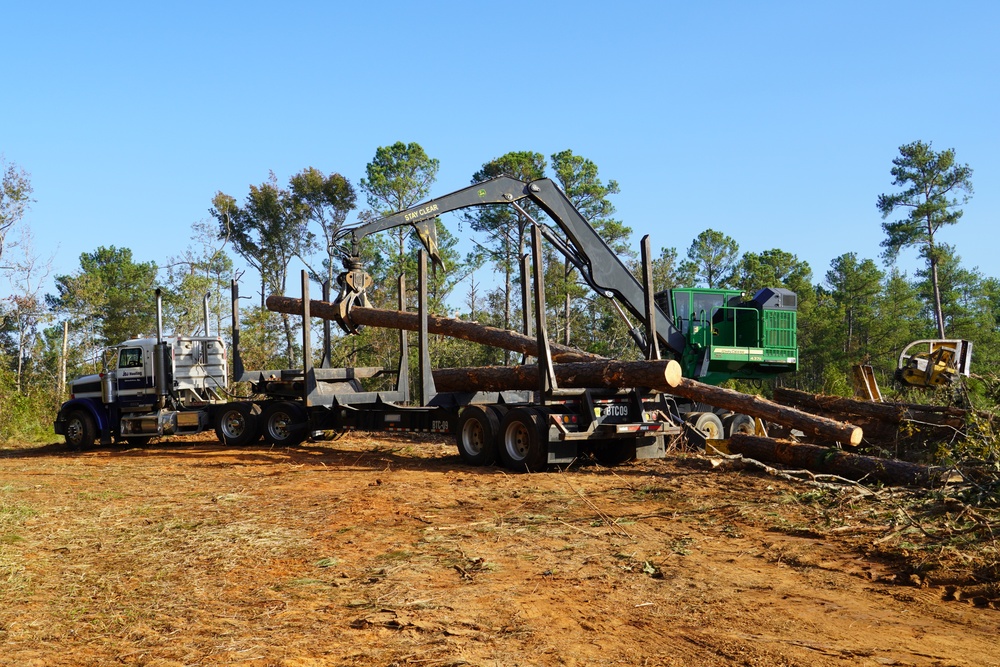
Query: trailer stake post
308	372
403	377
427	390
546	374
652	344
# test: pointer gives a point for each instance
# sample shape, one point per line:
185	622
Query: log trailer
178	384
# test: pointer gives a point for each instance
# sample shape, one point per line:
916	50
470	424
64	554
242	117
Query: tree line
861	309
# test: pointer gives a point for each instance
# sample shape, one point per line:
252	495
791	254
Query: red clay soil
372	551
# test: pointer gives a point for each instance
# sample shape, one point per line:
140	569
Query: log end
856	435
672	373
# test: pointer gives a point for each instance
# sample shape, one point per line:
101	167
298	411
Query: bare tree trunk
757	406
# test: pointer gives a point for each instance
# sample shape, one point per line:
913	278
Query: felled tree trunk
834	462
893	413
755	406
608	373
409	321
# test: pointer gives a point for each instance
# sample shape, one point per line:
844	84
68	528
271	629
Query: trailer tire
737	423
707	424
523	436
236	424
81	431
284	423
476	435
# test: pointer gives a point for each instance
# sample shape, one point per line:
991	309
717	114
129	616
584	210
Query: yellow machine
931	363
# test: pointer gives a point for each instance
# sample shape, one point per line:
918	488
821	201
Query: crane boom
585	249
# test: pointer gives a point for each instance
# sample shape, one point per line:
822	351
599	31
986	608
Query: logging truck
541	419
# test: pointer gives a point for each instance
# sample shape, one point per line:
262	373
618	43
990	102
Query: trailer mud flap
562	451
650	448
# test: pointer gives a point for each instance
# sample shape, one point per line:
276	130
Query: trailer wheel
707	424
284	424
236	424
734	424
80	430
476	435
523	436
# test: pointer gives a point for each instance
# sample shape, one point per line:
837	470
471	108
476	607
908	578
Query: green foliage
772	268
261	339
502	226
26	414
712	260
855	286
110	298
199	272
666	270
325	201
398	177
268	231
930	182
578	178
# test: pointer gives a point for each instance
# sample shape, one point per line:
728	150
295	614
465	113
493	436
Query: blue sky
773	122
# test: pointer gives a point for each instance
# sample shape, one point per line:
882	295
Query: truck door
134	379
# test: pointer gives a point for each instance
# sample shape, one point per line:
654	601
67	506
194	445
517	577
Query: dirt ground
376	551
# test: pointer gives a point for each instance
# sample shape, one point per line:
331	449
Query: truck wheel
284	424
523	445
80	430
734	424
476	434
236	424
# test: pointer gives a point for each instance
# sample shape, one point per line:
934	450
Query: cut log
893	413
755	406
662	375
835	462
886	423
838	405
409	321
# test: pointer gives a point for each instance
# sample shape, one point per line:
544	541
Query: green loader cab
731	336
